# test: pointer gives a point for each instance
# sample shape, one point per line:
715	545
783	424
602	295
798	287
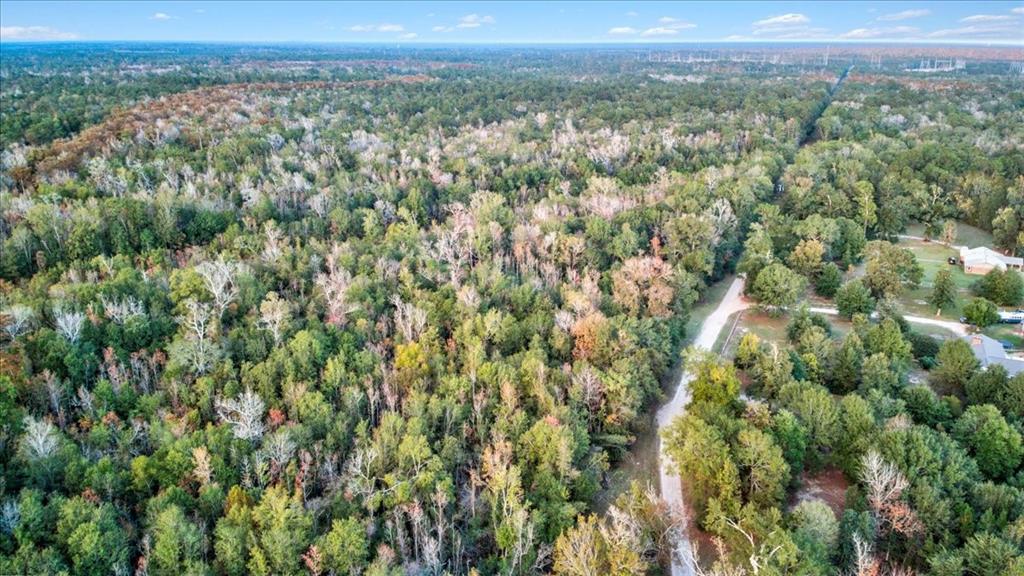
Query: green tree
177	545
757	254
281	534
995	445
856	433
777	288
763	468
816	410
844	372
889	269
1003	287
806	257
704	462
944	291
981	312
815	530
955	364
714	381
989	555
854	298
828	280
92	537
345	547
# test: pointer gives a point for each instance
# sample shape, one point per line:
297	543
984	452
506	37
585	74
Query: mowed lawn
934	257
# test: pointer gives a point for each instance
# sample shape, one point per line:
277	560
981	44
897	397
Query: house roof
990	352
985	255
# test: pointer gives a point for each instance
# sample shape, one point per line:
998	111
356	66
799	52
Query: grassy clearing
934	257
768	328
965	234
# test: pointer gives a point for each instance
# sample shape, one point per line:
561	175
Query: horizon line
413	42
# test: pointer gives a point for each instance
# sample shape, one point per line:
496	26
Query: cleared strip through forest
671	483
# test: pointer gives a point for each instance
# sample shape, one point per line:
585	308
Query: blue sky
515	22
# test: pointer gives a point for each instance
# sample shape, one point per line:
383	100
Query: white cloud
868	33
1018	10
620	30
161	16
632	14
660	31
443	28
377	28
199	11
474	21
987	18
991	31
792	26
783	20
408	36
791	33
904	15
34	33
675	23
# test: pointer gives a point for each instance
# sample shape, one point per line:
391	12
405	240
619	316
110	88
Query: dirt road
671	486
954	327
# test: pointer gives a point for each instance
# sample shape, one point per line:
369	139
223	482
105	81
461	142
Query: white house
982	260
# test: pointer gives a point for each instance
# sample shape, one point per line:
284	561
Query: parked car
952	261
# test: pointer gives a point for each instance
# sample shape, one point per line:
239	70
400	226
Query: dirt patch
829	486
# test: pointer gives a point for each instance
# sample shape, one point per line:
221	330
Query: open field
966	234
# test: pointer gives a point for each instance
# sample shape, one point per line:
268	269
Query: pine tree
944	291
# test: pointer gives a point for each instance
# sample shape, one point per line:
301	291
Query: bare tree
410	320
244	414
41	439
885	485
220	278
884	481
275	315
198	350
272	246
864	561
335	285
17	319
54	393
122	309
68	322
10	516
279	448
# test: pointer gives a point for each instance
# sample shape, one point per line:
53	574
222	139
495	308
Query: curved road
671	486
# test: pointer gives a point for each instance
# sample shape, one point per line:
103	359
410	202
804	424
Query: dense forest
295	310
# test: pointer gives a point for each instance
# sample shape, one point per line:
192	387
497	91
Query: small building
990	352
982	260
